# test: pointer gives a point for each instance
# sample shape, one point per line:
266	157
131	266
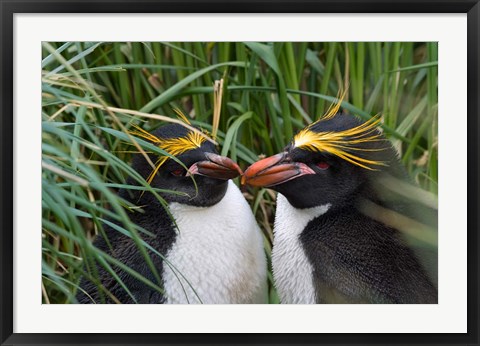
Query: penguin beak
274	170
216	166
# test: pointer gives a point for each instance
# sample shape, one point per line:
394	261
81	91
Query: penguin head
202	177
329	162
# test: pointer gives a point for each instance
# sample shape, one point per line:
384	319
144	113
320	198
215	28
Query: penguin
340	234
211	245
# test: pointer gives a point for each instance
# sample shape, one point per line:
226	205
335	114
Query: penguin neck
146	201
303	215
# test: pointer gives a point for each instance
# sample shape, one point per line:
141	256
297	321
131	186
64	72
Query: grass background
92	93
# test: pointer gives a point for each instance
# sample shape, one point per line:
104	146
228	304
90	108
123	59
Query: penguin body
209	249
360	260
219	249
329	244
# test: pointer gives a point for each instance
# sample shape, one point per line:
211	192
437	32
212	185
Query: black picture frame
10	7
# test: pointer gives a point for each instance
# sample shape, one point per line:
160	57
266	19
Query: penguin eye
323	165
178	172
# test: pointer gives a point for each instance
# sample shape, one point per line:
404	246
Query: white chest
218	254
292	270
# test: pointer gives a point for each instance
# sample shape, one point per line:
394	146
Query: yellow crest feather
342	144
182	116
173	146
177	146
334	107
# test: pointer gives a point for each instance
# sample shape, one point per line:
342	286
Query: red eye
177	172
323	165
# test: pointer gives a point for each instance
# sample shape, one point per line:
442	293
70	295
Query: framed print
239	172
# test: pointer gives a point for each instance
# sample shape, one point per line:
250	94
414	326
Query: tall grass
93	92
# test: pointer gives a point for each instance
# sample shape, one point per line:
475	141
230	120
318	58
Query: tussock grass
92	93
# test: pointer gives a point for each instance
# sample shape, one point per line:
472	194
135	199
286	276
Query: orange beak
274	170
216	166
